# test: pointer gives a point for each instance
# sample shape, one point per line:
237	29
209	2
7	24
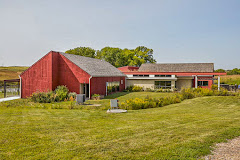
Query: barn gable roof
94	67
177	67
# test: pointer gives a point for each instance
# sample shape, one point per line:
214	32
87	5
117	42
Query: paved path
226	151
8	99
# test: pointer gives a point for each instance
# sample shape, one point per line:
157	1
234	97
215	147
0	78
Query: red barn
82	75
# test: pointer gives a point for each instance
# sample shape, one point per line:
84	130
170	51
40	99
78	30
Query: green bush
95	95
72	94
61	93
134	89
137	103
43	97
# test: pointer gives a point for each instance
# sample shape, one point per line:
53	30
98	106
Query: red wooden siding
71	75
54	69
98	84
51	71
38	77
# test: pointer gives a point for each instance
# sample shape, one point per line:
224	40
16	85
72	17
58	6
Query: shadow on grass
116	95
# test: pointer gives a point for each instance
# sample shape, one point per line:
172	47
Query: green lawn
123	96
180	131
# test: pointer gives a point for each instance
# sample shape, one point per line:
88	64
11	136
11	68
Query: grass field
231	79
180	131
11	72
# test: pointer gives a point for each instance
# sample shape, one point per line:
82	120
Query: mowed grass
11	72
180	131
230	79
123	96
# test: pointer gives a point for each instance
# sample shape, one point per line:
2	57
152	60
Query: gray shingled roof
94	67
177	67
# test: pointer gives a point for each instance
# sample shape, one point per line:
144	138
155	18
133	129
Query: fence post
218	83
5	89
18	87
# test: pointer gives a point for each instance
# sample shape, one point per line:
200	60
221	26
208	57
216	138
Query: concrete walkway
9	98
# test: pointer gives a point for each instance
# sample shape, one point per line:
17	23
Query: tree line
116	56
235	71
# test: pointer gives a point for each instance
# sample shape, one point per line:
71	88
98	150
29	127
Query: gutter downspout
90	87
20	87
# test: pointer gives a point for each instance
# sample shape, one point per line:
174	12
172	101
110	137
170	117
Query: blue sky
177	30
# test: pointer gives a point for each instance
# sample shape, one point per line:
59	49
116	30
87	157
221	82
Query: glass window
163	84
140	75
163	75
168	83
113	86
202	83
205	83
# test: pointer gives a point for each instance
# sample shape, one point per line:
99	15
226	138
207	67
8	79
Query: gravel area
226	151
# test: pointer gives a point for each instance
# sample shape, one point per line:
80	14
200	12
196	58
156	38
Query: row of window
167	84
202	83
140	75
163	84
148	75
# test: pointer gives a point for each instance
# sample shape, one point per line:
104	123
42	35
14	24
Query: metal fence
10	88
231	87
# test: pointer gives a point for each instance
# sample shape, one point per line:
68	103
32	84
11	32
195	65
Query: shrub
96	96
137	89
214	87
43	97
159	90
72	94
187	93
137	103
134	89
61	93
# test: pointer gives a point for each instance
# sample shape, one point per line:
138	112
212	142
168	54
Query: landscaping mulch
226	151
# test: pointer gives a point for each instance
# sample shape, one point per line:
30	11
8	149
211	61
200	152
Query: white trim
20	87
153	78
151	75
196	81
218	83
90	87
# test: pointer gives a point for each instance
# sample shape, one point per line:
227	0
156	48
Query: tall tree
83	51
118	57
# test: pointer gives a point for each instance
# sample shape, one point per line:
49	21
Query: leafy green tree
234	71
118	57
219	70
109	54
83	51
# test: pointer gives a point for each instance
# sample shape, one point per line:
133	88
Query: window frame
160	84
201	83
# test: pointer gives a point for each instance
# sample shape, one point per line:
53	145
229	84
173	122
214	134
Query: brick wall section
98	84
